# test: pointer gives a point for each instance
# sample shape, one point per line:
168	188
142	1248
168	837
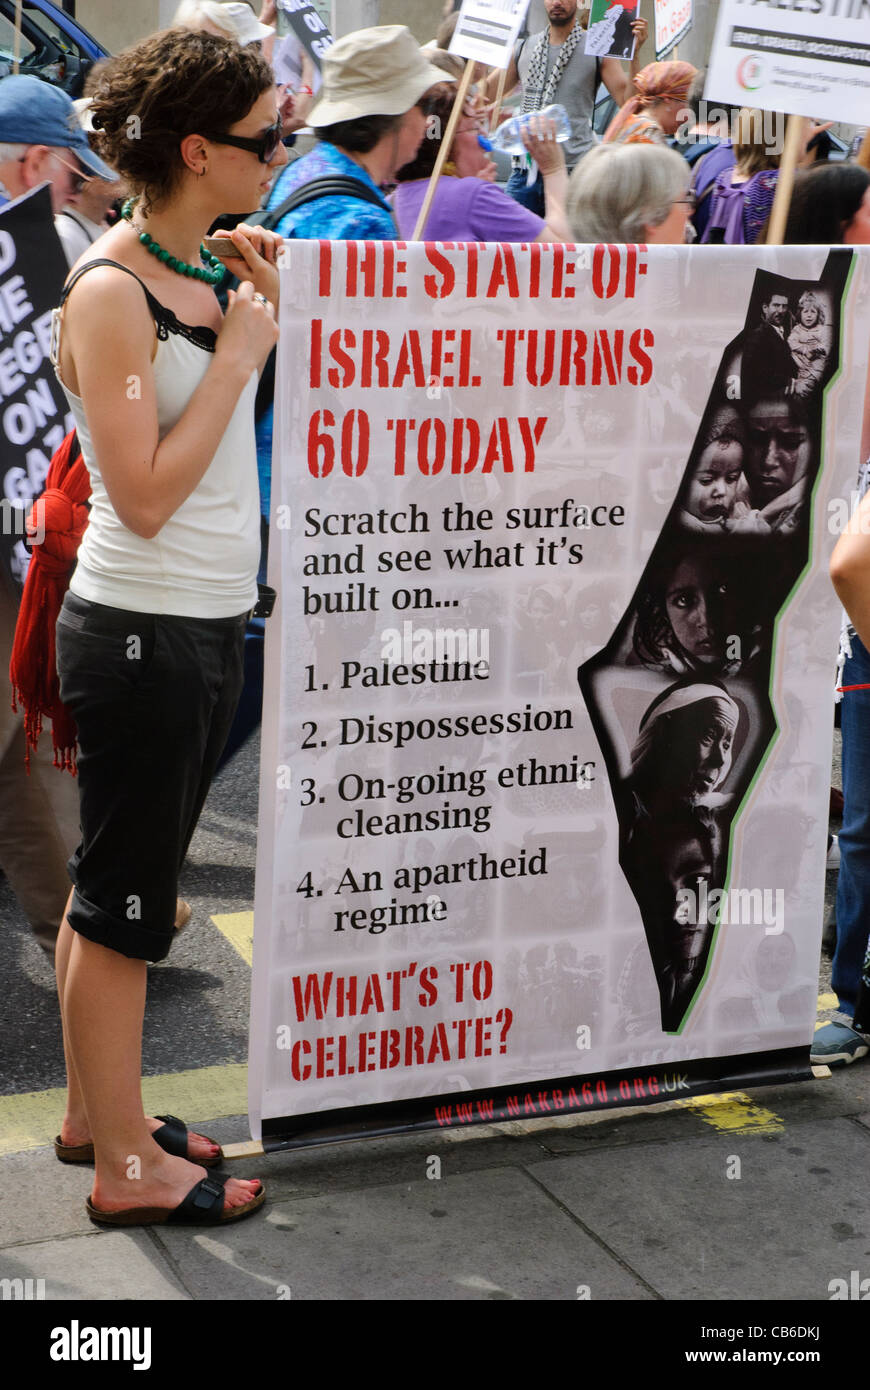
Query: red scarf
63	513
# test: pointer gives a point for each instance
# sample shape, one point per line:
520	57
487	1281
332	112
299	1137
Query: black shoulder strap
102	260
329	186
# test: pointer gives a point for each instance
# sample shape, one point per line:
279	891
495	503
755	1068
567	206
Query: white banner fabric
548	711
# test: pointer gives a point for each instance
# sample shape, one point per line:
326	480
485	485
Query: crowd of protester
666	171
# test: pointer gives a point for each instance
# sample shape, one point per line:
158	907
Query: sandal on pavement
171	1136
203	1206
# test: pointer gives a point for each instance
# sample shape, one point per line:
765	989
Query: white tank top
203	561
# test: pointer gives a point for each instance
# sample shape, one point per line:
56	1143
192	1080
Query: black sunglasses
264	146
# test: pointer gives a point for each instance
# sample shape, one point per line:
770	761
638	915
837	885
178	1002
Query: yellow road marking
733	1112
238	928
827	1001
30	1120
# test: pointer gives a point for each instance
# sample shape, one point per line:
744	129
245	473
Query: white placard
673	20
792	60
487	30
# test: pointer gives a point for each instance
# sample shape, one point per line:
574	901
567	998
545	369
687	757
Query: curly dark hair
175	83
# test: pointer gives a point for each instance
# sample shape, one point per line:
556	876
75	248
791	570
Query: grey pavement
651	1204
676	1202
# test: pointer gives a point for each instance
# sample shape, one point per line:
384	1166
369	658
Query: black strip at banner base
535	1100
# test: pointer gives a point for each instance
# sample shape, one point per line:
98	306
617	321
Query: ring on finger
261	299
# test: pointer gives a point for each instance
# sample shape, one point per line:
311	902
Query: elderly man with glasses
41	141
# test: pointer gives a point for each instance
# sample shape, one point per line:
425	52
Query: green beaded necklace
212	276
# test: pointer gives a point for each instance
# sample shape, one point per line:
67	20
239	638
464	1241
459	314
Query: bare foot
165	1182
74	1131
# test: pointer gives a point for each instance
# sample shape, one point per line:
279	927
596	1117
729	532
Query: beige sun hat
372	72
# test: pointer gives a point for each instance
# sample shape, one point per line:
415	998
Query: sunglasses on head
264	146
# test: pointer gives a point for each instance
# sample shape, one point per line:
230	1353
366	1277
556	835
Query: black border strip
800	47
527	1100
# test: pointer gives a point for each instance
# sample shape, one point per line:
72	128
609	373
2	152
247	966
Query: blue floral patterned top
330	219
326	219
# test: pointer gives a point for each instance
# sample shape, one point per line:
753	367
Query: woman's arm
110	335
550	159
850	569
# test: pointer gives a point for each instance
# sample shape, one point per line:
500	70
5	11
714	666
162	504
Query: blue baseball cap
35	113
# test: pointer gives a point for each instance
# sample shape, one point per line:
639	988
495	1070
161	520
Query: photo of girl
810	343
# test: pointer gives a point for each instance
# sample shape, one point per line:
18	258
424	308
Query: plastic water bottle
508	137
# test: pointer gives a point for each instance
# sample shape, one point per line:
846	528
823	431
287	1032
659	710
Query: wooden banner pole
16	42
446	142
499	100
785	183
864	152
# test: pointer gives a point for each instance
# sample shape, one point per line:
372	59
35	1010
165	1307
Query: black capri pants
153	698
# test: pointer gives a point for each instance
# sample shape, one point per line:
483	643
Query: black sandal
203	1206
171	1136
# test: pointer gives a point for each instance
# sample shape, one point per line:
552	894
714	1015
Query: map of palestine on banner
549	692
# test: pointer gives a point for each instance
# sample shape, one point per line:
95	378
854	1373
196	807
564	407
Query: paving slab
106	1266
794	1214
492	1235
42	1197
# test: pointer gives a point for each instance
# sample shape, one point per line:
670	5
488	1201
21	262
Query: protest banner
673	20
548	711
301	18
809	60
609	34
34	416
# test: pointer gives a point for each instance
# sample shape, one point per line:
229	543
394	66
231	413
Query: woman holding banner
149	639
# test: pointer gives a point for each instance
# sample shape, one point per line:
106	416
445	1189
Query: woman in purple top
743	195
467	206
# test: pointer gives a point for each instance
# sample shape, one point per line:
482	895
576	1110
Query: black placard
309	28
33	408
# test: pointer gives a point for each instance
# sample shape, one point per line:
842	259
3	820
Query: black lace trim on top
165	319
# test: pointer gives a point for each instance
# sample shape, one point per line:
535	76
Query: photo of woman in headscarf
695	616
682	754
810	343
674	847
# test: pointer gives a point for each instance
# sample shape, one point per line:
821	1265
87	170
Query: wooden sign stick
499	100
794	132
446	142
16	42
864	152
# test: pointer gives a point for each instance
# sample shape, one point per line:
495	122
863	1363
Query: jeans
853	883
531	198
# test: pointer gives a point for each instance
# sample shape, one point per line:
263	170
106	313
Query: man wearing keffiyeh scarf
552	66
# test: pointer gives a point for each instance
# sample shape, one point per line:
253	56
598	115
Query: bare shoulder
105	289
106	324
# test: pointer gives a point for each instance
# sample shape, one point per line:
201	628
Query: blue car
53	46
